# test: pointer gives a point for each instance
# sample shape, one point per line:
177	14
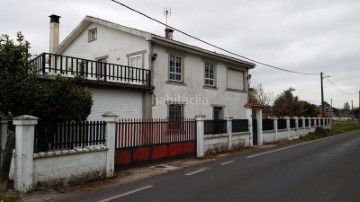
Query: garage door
126	104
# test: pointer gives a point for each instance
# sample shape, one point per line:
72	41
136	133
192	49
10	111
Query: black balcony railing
47	63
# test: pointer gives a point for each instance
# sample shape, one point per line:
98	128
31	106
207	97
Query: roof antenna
167	13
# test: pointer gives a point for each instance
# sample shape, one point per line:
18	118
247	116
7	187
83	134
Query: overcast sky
306	36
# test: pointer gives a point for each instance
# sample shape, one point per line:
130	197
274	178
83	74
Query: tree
22	93
285	104
259	95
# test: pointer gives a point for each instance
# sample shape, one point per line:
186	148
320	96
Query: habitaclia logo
198	99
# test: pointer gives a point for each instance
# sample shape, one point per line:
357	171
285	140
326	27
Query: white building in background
185	80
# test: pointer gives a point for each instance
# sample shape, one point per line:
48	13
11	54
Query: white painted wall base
74	167
220	143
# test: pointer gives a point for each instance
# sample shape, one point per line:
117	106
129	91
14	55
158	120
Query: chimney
169	33
54	32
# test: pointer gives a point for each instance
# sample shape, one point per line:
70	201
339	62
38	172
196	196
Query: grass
344	127
10	197
336	128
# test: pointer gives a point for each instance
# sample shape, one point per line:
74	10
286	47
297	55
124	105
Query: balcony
91	71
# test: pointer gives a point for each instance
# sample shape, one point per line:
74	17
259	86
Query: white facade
120	45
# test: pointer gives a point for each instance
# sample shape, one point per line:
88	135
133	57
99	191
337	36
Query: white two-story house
137	74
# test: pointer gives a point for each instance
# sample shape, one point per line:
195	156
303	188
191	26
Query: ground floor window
175	112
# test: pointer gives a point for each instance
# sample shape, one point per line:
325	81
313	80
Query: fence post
309	121
250	126
303	122
259	126
315	122
110	120
296	122
275	119
229	130
200	119
288	125
3	135
24	152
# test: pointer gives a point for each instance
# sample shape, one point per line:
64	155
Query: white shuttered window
235	79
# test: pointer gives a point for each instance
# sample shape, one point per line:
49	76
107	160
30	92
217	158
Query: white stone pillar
3	135
250	126
303	122
315	121
24	152
309	121
275	119
319	121
200	119
229	130
288	125
296	122
110	132
259	126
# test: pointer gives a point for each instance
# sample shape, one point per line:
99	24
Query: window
218	113
175	112
209	74
135	61
100	68
235	79
175	68
92	34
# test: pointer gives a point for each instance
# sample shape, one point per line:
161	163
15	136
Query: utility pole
331	103
322	95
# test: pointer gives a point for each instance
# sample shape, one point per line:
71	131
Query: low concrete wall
240	140
69	166
269	136
283	134
220	142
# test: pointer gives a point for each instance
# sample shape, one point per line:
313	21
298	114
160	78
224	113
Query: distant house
137	74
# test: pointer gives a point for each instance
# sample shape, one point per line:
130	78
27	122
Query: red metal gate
147	140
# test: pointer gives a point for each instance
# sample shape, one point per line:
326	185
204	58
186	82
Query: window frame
100	70
91	35
170	118
174	72
134	56
214	75
243	80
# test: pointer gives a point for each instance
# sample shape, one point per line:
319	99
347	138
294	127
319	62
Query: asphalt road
323	170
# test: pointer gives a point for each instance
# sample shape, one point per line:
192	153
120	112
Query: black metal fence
300	123
52	135
307	122
240	125
292	123
11	126
282	124
268	124
143	132
47	63
214	127
312	122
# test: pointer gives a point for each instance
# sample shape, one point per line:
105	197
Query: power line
212	45
338	87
